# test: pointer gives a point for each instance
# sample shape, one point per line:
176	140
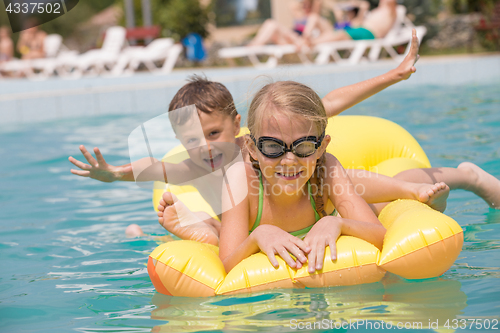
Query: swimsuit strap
261	204
316	214
313	204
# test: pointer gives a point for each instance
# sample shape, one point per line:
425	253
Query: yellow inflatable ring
359	142
420	242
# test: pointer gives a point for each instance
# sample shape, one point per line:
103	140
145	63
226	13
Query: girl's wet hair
294	100
288	98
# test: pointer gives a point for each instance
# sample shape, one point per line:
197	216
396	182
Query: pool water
66	264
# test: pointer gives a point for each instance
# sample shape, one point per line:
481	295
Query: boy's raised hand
98	168
407	66
341	99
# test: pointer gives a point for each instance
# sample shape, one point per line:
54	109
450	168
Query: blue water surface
66	264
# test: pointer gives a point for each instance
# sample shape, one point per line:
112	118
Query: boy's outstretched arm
343	98
100	170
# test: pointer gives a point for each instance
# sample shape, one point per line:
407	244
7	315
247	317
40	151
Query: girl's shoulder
331	160
333	169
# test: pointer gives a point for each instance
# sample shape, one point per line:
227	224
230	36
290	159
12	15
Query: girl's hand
407	67
324	233
98	169
274	240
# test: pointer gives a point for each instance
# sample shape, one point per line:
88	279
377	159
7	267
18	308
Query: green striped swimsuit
298	233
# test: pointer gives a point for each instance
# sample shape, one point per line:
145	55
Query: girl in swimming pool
280	215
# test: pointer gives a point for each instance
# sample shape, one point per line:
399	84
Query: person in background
30	43
365	25
272	31
348	15
6	45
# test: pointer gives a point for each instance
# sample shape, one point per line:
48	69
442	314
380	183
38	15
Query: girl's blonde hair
294	100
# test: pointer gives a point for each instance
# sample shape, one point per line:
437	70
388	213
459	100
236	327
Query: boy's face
216	146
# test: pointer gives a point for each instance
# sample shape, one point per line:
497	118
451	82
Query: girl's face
287	173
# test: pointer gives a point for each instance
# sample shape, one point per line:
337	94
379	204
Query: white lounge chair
99	60
396	38
42	67
399	34
273	52
15	67
161	50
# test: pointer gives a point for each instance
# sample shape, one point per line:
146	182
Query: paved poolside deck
24	101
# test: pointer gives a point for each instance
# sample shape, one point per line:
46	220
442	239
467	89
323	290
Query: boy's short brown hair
208	96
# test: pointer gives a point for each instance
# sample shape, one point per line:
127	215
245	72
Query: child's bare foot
174	216
484	185
134	230
434	195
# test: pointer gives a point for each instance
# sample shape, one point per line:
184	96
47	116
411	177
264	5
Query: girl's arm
343	98
357	219
347	202
235	244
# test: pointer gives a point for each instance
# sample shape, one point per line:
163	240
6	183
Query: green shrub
177	18
180	17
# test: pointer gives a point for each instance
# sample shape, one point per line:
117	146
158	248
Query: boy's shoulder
240	168
240	171
184	172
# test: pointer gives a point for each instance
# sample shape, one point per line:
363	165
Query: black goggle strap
320	140
253	138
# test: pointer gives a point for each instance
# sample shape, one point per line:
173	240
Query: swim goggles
273	148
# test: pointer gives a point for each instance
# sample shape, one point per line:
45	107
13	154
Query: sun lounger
99	60
14	67
38	68
273	52
44	67
395	39
400	34
161	50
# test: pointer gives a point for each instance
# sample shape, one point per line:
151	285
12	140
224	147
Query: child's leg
134	230
376	188
467	176
174	216
272	31
377	207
